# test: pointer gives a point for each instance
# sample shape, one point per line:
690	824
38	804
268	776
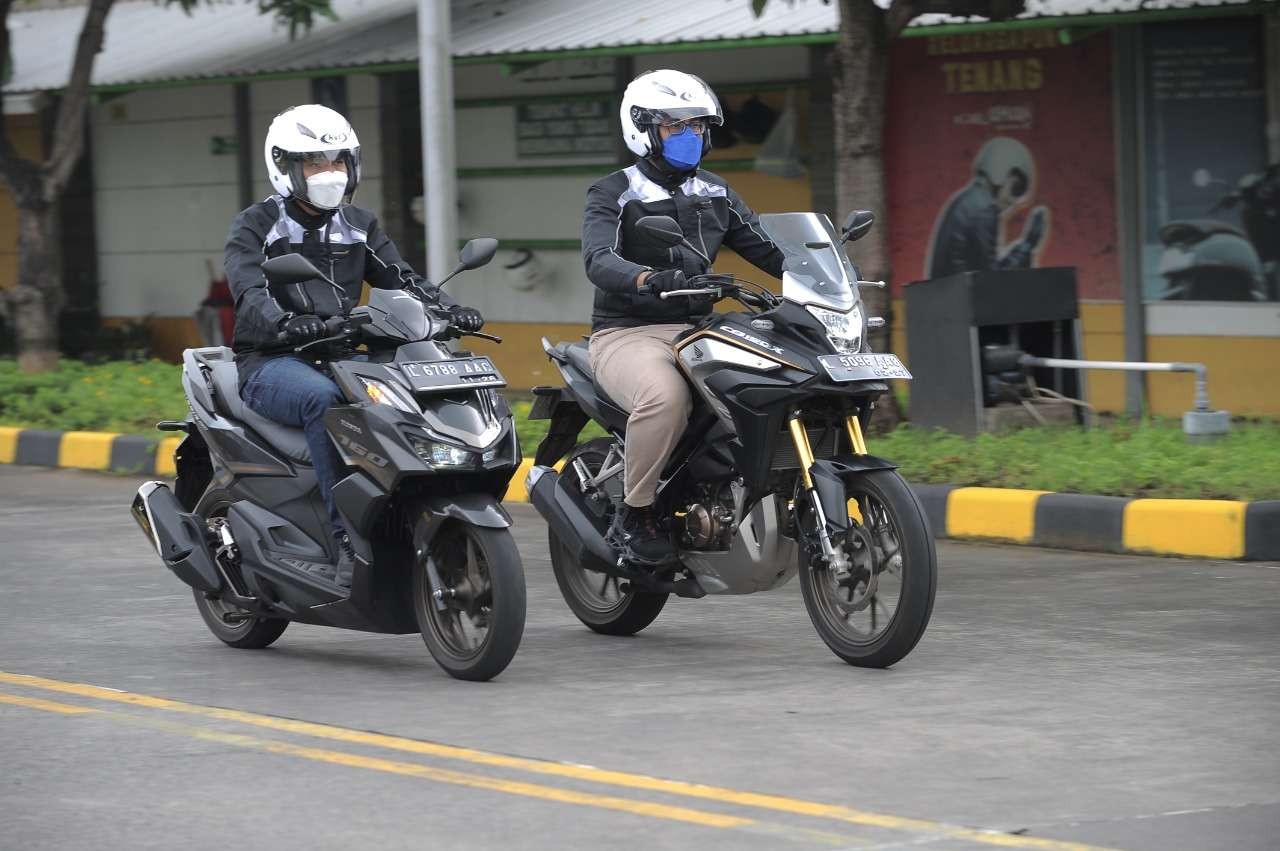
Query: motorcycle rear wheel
475	634
251	634
595	598
896	527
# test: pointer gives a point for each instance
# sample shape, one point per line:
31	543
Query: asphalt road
1059	701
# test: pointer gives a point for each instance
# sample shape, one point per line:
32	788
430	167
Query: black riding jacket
965	238
347	245
709	212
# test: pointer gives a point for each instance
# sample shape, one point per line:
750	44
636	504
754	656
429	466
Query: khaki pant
637	368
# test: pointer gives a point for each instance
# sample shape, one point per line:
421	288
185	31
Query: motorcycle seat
226	391
578	356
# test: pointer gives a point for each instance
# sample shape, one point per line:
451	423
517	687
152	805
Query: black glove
687	261
303	329
664	281
466	319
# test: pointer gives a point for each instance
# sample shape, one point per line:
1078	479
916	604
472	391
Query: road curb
1198	528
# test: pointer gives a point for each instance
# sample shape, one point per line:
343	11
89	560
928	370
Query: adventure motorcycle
433	448
772	474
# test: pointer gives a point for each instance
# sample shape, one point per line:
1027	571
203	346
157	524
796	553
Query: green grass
1151	458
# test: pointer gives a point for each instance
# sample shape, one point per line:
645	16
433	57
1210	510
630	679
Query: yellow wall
24	132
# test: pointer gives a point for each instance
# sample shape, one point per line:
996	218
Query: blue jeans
294	393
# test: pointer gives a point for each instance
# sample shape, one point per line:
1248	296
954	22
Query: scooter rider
313	159
666	117
967	235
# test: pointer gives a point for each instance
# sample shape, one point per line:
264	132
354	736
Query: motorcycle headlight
383	394
442	454
844	330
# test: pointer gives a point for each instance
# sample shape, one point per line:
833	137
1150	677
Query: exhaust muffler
177	536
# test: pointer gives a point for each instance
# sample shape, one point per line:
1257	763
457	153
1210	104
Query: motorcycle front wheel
874	617
468	597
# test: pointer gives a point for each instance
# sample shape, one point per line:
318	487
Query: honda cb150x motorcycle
432	448
772	474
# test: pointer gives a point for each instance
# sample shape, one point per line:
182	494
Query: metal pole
439	169
1127	87
244	143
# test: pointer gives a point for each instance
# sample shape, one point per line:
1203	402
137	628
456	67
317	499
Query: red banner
999	154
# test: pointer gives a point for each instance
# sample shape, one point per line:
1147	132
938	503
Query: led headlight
442	454
381	392
844	330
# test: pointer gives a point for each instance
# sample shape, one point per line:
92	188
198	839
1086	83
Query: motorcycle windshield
815	269
398	315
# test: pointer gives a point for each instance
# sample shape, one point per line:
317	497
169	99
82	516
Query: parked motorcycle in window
772	475
432	448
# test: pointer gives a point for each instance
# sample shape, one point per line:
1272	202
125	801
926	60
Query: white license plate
869	367
452	374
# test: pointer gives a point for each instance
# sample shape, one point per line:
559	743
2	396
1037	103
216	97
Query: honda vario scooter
431	448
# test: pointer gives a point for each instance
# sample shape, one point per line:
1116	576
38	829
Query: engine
708	523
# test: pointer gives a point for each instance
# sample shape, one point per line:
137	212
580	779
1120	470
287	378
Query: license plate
870	367
452	374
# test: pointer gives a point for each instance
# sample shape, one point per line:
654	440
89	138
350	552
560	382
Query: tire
470	557
253	634
607	610
917	575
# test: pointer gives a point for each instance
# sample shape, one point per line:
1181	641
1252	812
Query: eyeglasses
697	125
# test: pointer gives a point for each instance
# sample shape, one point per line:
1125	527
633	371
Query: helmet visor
674	115
295	163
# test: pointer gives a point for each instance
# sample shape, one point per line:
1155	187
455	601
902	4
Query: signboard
223	145
1205	121
999	155
566	128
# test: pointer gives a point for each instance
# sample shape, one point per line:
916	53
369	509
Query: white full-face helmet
664	97
310	132
1003	160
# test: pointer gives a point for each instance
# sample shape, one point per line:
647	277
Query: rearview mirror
477	252
857	225
662	228
290	269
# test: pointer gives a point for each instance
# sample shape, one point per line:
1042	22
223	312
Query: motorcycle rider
666	119
966	236
313	159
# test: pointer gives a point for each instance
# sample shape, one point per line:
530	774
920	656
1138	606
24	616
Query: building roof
149	44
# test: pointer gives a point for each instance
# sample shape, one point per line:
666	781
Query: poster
999	154
1212	206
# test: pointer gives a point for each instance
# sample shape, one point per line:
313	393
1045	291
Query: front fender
848	464
478	509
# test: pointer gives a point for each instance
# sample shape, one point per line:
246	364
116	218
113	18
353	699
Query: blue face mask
683	150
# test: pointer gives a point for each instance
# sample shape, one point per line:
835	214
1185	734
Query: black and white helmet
309	132
664	97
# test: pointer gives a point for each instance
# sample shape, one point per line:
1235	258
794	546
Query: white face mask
325	190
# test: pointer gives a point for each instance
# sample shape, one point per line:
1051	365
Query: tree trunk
860	72
35	303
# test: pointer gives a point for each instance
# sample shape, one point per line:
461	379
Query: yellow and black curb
88	450
1201	528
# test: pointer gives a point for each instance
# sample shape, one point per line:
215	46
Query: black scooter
432	448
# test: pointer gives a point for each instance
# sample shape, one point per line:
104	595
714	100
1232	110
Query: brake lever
493	338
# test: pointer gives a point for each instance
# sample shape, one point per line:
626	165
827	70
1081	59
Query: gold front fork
854	428
804	452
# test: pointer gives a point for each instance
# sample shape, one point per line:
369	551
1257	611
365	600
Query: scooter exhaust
177	536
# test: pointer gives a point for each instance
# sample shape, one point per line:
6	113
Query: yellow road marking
164	456
46	705
992	513
776	803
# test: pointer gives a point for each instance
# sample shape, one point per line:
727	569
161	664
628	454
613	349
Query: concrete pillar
822	135
245	147
1271	57
1127	121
